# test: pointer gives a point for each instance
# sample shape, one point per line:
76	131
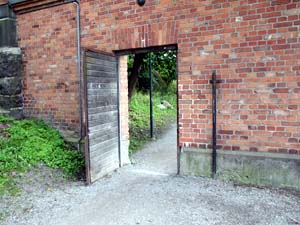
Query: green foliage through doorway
139	122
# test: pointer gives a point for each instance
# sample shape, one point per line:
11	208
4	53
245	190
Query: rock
165	105
10	86
161	106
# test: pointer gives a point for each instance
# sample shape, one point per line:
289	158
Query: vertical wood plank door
102	115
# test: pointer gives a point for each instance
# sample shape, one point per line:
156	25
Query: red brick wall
253	45
48	42
124	113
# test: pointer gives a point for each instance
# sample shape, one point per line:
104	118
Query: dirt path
159	156
148	192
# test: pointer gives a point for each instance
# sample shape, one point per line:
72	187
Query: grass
139	117
25	143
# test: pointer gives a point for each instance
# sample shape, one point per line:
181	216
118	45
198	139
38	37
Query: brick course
252	44
48	42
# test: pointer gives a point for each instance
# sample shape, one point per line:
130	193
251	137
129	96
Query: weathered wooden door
102	114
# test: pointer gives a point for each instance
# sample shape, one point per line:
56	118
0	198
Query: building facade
253	45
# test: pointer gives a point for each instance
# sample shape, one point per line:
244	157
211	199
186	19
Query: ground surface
148	192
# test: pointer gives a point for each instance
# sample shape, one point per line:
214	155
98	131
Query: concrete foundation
255	168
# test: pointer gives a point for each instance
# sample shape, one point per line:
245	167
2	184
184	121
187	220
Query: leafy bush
26	143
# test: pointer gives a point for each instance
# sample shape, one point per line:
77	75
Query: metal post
151	95
214	120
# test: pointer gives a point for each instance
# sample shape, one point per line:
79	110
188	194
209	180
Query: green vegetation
139	115
164	88
25	143
164	71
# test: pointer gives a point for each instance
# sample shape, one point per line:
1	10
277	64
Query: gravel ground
148	192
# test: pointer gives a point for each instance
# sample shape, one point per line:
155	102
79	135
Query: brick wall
3	2
253	45
48	42
124	126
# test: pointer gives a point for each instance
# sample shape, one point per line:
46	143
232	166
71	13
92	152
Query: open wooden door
101	114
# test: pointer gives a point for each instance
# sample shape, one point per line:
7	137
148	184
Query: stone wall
8	31
11	100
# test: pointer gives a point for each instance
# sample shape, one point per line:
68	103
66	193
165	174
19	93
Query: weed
28	143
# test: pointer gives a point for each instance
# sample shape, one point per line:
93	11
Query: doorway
110	117
152	105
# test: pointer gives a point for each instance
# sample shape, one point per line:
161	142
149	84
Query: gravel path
149	192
